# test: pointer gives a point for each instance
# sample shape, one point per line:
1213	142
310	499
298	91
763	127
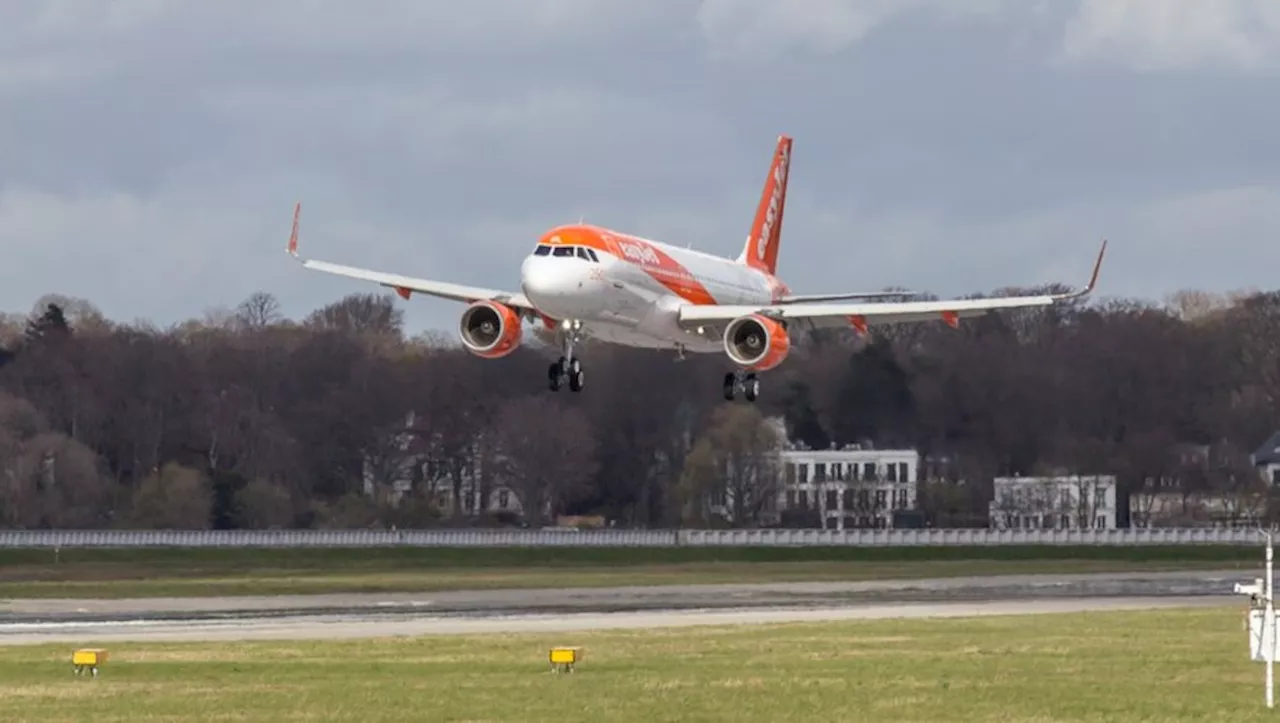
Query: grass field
115	573
1163	666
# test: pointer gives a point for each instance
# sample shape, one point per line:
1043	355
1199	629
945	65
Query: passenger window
582	254
563	251
542	250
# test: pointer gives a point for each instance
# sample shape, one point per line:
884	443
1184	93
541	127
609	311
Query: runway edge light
563	658
88	658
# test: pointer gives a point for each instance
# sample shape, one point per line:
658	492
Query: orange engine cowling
756	342
490	330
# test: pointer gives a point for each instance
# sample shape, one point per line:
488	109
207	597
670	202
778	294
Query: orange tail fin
761	249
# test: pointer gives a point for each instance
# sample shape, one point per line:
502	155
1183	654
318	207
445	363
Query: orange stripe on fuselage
638	252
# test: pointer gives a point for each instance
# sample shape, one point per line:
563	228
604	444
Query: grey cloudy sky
151	150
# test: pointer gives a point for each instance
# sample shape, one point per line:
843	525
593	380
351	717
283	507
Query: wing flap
804	298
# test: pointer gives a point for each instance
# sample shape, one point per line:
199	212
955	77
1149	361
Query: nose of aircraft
548	282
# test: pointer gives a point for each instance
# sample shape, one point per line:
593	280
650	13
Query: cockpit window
582	254
592	254
542	250
563	251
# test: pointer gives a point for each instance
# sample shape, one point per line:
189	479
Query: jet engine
490	330
756	342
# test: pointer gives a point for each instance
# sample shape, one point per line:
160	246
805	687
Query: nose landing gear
747	383
567	367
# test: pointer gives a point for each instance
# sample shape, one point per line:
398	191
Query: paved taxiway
479	611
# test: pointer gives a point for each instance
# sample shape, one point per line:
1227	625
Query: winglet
293	236
1093	280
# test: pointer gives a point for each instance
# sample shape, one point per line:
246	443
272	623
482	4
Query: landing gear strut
567	367
748	383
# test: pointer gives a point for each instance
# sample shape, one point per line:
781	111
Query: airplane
586	281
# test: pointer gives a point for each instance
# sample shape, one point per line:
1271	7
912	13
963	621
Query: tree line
247	419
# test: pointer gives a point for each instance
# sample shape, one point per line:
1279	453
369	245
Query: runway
333	627
24	622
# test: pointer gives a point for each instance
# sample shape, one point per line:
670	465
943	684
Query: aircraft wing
407	285
862	314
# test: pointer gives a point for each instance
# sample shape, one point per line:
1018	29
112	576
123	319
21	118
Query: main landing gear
567	367
747	383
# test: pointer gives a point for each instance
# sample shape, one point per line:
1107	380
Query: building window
1102	522
880	499
868	470
864	499
791	473
504	499
853	472
891	472
791	498
848	498
803	470
902	472
804	499
837	472
819	473
832	500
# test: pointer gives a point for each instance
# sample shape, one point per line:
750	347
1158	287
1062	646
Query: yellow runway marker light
564	658
90	659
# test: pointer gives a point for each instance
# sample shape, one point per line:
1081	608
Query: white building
1054	503
1266	459
400	469
850	487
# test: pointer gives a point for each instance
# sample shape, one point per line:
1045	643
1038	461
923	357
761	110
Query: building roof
850	455
1269	452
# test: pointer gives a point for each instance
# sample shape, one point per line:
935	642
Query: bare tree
545	453
260	310
360	313
735	465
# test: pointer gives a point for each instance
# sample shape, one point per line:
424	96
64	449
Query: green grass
1163	666
116	573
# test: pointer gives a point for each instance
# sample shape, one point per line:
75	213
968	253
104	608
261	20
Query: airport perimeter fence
619	538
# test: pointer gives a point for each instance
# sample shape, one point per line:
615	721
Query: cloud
764	29
1168	35
152	151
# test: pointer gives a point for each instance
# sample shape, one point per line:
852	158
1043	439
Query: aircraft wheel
751	387
576	379
730	386
554	377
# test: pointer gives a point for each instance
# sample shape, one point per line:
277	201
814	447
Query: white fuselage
627	290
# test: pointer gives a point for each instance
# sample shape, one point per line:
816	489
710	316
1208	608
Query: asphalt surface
372	625
475	611
623	599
